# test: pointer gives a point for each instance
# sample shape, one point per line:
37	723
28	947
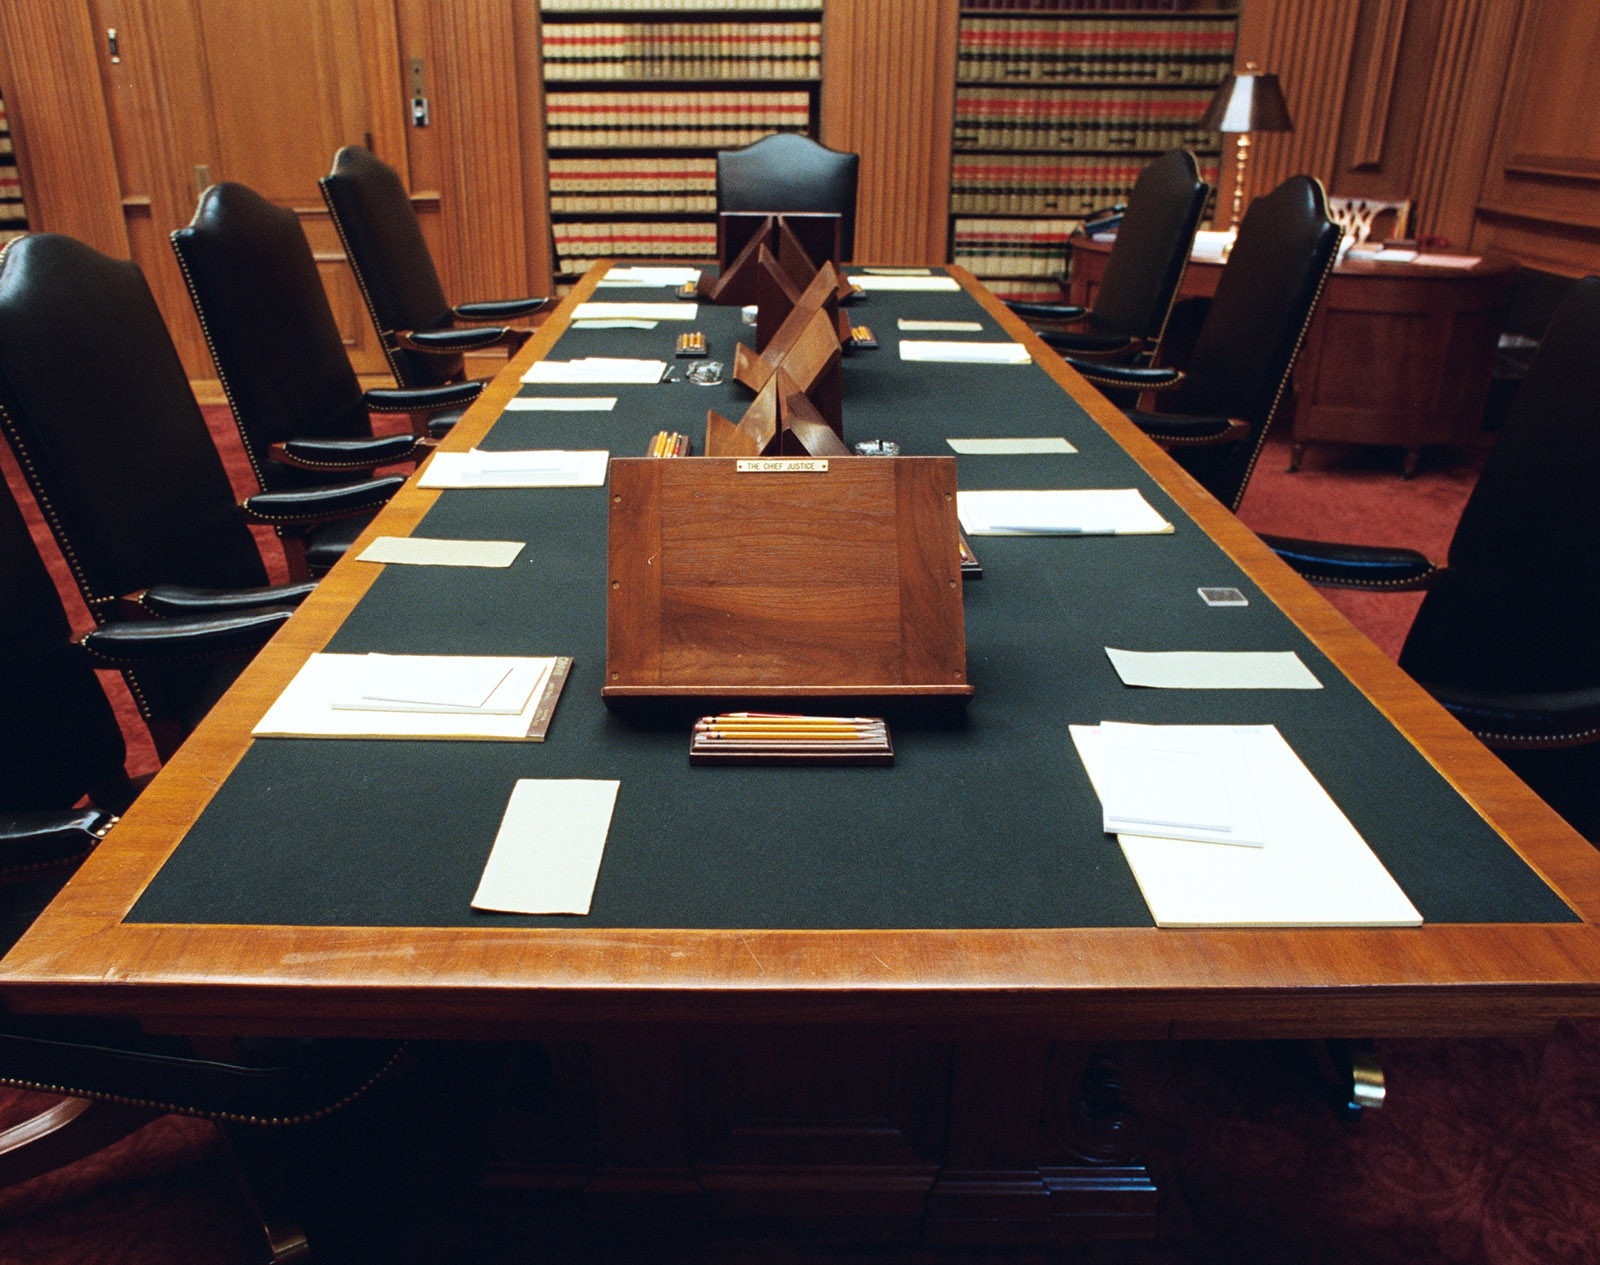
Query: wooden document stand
757	579
780	422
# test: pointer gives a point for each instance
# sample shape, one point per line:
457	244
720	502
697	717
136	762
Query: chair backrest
1518	605
1146	263
1252	332
1371	219
95	403
270	328
790	172
391	261
59	739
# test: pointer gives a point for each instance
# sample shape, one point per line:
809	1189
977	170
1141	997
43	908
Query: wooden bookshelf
1058	106
639	100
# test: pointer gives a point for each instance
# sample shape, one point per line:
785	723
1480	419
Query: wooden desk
1398	353
928	1080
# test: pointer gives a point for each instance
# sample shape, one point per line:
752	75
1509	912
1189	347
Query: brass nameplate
781	465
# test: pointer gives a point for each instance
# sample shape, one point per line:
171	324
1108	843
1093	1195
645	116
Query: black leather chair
1506	634
384	243
299	408
790	172
1216	410
1143	270
62	784
96	406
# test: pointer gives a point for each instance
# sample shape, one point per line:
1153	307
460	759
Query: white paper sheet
561	404
306	708
899	281
907	325
637	311
898	272
547	852
1442	261
1313	871
423	551
1212	245
543	468
1177	781
459	684
615	323
1213	669
1058	512
959	353
1009	447
621	274
592	369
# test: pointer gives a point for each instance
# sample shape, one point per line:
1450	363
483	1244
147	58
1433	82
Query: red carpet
1489	1151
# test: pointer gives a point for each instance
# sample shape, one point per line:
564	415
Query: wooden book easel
781	421
777	292
760	578
735	283
752	369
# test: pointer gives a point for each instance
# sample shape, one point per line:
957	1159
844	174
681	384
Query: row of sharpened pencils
774	727
669	444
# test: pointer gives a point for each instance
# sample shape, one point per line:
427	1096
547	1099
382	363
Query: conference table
880	992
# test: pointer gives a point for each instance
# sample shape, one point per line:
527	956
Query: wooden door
201	91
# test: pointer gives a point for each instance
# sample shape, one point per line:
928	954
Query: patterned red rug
1489	1150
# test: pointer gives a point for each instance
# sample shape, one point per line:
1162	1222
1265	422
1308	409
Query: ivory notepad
423	551
1213	669
635	311
1009	446
952	352
561	404
547	852
899	281
601	369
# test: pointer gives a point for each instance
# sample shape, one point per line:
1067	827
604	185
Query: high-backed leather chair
1143	270
95	403
300	410
1215	412
394	268
1505	637
790	172
60	743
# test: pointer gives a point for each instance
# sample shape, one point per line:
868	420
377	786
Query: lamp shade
1248	103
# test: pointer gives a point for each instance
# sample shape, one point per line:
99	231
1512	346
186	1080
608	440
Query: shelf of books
1059	105
638	99
13	215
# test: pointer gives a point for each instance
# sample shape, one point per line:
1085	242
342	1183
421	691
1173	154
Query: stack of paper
899	281
596	369
910	325
411	696
1177	796
959	353
644	276
539	468
1059	512
546	855
636	311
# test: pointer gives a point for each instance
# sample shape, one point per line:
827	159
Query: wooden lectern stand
759	578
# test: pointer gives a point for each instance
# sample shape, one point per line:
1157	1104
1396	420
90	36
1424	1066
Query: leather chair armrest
305	506
498	309
32	842
1127	377
1180	430
422	399
214	638
1047	311
452	342
179	601
1525	720
277	1082
1089	343
346	455
1354	566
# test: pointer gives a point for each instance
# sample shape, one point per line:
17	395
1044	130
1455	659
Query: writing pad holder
833	579
800	240
780	422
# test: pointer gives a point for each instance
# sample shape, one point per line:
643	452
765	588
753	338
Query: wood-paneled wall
1479	111
1475	109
